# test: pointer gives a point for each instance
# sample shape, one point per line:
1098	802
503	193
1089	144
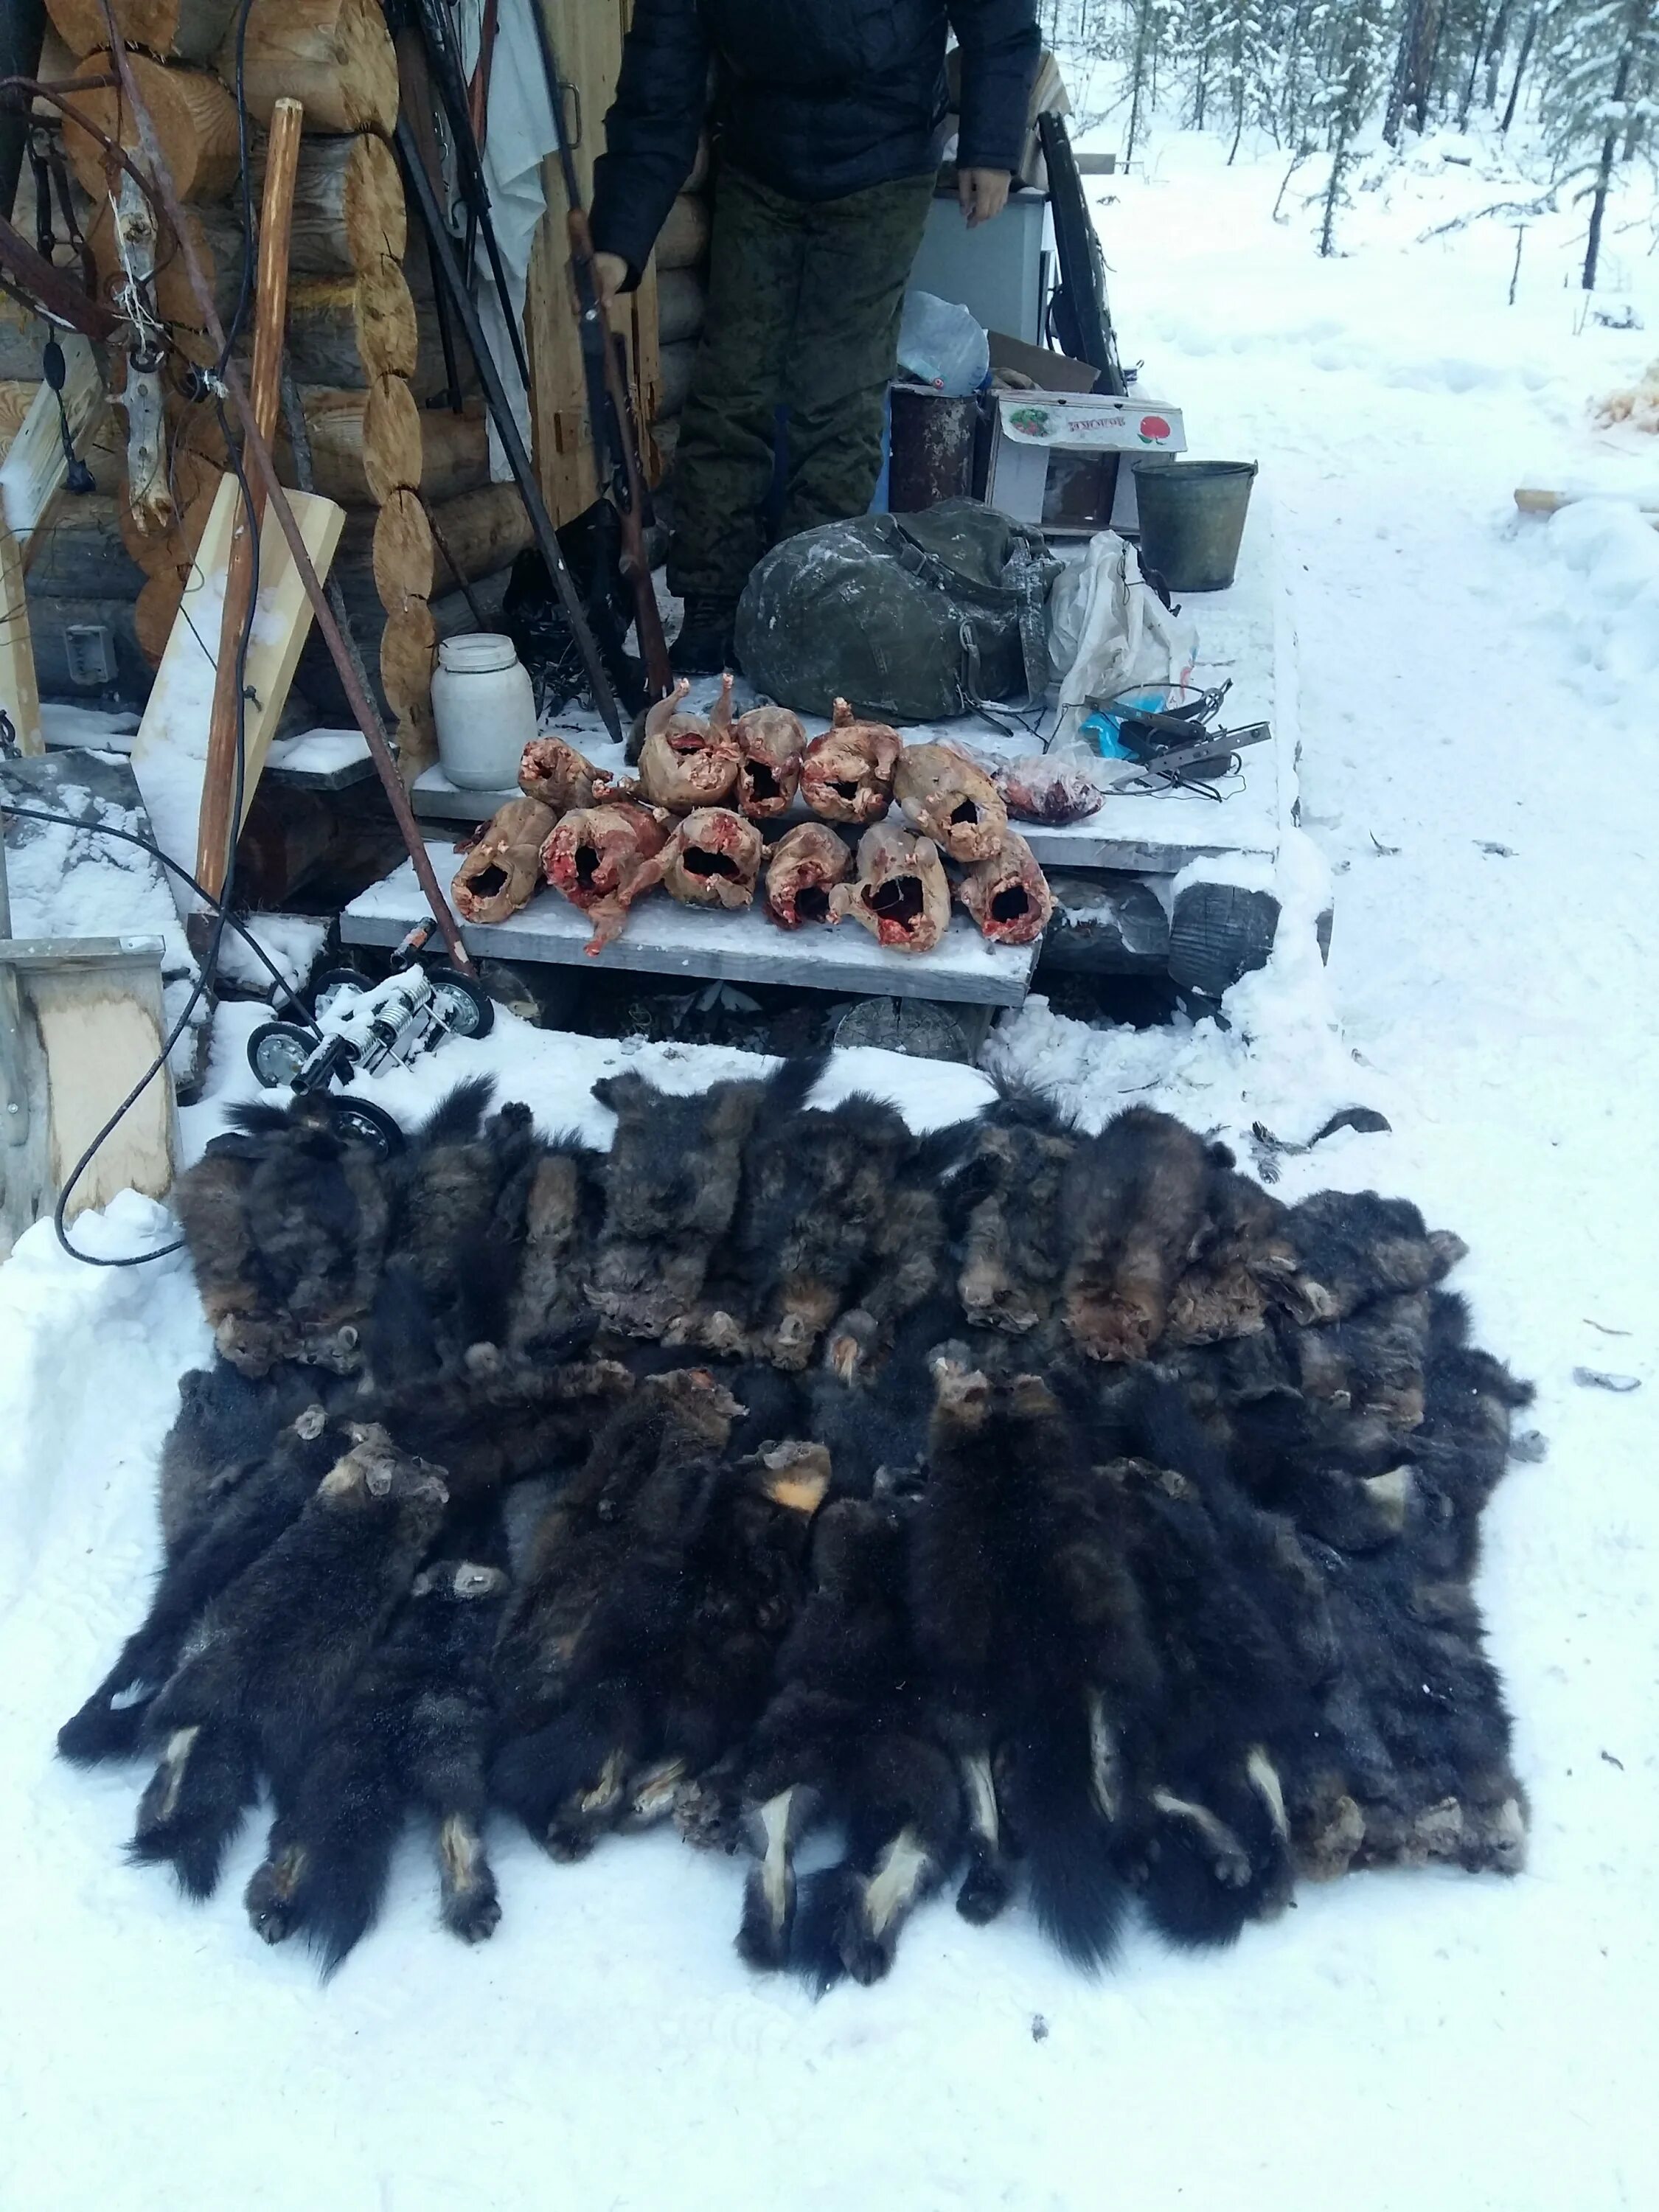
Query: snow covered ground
1482	753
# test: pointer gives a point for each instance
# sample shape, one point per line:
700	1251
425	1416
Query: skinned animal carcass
556	773
687	761
503	871
902	895
712	859
806	874
945	796
770	742
1052	791
846	775
1008	895
597	857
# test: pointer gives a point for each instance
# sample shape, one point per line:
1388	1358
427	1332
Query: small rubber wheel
365	1123
331	983
467	1007
277	1051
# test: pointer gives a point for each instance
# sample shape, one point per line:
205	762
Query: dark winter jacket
815	98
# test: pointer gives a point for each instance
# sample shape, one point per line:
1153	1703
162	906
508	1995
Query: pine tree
1601	68
1349	99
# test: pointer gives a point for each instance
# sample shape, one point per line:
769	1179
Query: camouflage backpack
910	617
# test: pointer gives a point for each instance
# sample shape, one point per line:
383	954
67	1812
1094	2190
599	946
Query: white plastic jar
485	705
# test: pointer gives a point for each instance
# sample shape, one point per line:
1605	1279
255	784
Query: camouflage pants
803	303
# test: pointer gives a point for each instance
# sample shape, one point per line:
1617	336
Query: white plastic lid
478	652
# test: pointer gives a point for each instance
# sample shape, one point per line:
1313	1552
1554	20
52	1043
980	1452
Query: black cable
209	964
149	845
245	290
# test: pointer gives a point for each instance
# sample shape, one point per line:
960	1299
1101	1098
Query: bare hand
611	271
983	194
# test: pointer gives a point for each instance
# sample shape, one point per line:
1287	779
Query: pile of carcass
694	818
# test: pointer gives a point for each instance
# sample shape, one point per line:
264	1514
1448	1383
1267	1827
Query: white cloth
1108	629
521	132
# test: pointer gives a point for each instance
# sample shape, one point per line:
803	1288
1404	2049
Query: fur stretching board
1057	1515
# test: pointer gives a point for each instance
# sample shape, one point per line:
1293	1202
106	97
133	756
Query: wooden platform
663	938
1155	835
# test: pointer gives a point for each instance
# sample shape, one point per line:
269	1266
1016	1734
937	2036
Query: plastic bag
942	344
1108	629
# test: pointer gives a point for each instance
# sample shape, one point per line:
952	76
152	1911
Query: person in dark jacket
827	126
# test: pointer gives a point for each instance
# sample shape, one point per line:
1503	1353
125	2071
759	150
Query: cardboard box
1057	457
1047	370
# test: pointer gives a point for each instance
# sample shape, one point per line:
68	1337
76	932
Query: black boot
704	646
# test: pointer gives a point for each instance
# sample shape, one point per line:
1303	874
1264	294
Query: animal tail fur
194	1805
537	1776
1077	1892
822	1902
330	1888
110	1724
460	1114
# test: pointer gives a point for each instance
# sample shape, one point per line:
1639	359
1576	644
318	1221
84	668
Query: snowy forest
1332	83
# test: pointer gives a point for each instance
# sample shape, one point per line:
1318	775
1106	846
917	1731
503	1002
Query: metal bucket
1192	519
932	451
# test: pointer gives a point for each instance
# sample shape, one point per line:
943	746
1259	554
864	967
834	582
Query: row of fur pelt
743	1222
1175	1631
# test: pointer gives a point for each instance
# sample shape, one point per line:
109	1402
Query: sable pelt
458	1194
845	1736
1348	1247
220	1529
1038	1649
563	1210
411	1734
1133	1204
1004	1205
271	1657
286	1219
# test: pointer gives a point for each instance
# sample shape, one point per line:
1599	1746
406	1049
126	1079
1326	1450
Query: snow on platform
665	938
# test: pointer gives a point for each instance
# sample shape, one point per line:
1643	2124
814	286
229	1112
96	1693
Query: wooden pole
259	448
218	829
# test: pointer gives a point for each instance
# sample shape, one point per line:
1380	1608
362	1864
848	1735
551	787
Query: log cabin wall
363	344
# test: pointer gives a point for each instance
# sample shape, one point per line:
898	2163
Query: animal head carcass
556	773
1008	895
902	895
770	742
949	800
846	775
687	761
503	870
597	857
807	873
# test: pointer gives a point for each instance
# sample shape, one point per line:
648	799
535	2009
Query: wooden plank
214	837
20	695
169	753
664	939
36	467
1538	499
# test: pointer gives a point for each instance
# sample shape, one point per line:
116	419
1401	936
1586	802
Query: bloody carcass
902	895
503	869
770	742
596	856
688	761
556	773
807	873
949	800
846	775
712	859
1008	895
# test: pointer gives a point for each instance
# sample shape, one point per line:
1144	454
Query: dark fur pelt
222	1527
1059	1509
271	1657
1037	1646
412	1732
845	1737
458	1195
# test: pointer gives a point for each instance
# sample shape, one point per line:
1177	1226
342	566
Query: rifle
610	405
